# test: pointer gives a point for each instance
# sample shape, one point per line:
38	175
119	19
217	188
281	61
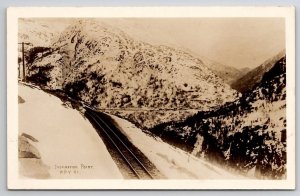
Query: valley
231	117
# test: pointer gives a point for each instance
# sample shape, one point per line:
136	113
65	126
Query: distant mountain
104	67
248	134
36	33
245	70
253	77
227	73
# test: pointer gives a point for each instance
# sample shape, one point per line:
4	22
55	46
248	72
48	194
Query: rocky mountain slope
244	70
253	77
103	67
248	134
227	73
35	32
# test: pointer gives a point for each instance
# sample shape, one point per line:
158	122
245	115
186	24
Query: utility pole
19	67
23	59
24	79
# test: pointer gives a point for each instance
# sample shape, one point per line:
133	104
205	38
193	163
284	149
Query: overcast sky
237	42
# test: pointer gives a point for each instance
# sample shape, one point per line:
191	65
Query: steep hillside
246	134
244	70
253	77
227	73
49	131
39	35
36	33
107	69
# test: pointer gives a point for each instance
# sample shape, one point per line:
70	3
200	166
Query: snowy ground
172	162
61	140
57	142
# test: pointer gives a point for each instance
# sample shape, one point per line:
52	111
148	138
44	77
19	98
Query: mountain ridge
106	68
254	76
248	134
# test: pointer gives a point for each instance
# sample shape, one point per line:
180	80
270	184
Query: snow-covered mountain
253	77
247	134
104	67
38	32
227	73
245	70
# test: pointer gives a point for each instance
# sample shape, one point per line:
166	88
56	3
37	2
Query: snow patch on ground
64	137
171	162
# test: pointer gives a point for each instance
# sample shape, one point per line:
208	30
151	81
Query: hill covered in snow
227	73
254	77
38	32
248	134
102	66
57	142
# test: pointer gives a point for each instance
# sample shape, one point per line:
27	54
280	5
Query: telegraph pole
24	79
23	59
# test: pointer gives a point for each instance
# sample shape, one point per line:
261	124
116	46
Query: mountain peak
253	77
106	68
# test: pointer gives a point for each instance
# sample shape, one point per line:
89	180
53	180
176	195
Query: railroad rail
132	160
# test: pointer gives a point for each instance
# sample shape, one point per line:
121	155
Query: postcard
151	98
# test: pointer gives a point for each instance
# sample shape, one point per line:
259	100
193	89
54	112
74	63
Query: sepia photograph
151	99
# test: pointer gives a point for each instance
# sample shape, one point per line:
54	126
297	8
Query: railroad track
138	165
